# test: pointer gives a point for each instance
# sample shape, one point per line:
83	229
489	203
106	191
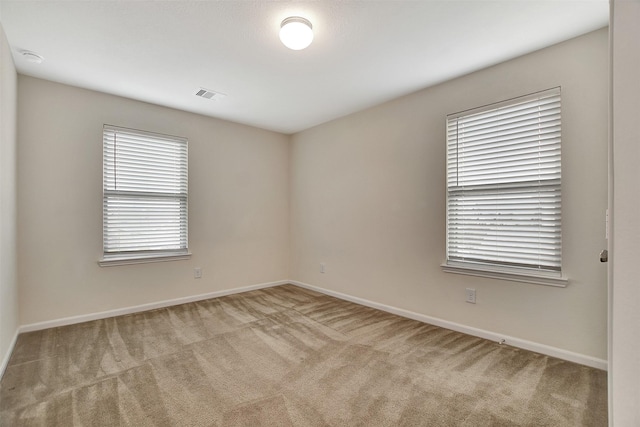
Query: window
144	198
503	190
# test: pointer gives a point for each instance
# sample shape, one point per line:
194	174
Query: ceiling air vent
210	94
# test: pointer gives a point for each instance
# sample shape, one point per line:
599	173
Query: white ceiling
364	52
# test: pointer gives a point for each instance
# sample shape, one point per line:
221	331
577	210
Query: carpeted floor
287	356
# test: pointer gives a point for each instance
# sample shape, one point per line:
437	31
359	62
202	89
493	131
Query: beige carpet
286	356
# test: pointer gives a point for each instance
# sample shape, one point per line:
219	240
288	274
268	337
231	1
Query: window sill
537	279
128	260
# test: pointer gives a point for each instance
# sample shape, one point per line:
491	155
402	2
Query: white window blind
144	194
503	185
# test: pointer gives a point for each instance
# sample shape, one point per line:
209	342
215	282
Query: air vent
210	94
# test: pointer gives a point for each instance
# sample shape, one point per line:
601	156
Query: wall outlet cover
470	295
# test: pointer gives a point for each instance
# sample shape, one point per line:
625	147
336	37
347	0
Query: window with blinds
144	194
503	186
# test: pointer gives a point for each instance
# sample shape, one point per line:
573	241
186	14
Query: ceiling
363	53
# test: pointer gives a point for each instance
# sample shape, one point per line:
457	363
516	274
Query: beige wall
8	260
368	199
625	313
238	204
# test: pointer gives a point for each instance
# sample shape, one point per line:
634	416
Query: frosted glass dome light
296	33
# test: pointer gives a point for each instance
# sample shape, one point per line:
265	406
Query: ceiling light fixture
296	33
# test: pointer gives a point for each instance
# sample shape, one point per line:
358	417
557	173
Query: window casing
504	190
145	196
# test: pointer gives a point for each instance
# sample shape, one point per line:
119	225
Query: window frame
114	258
495	268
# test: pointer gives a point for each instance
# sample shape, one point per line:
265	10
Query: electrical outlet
322	267
197	273
471	295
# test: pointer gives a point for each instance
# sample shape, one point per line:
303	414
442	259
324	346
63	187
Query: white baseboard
143	307
7	355
493	336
